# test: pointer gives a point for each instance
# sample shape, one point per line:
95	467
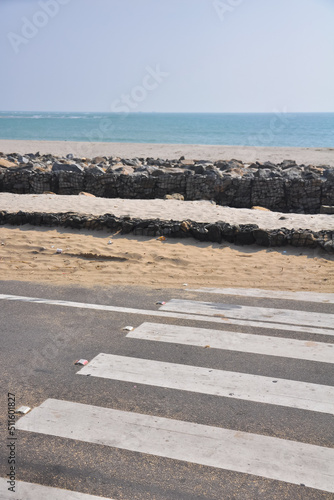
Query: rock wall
286	187
245	234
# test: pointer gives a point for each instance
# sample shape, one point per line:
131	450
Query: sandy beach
98	258
199	211
307	156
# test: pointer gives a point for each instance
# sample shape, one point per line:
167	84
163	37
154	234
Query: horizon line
171	112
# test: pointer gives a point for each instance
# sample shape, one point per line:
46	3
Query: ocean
279	129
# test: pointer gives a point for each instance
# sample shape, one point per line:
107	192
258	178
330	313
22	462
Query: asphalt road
40	343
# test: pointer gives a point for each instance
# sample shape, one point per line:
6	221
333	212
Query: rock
157	172
262	237
185	226
303	238
286	187
156	162
206	163
329	176
83	193
66	167
326	209
270	238
98	159
187	162
329	246
214	232
198	169
174	196
292	173
263	173
227	165
288	163
7	164
23	159
268	164
132	163
24	167
96	170
124	170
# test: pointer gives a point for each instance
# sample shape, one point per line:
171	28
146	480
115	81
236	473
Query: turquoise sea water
239	129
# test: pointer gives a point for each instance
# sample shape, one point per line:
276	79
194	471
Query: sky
167	55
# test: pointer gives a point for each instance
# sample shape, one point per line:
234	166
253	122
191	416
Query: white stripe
270	294
269	390
32	491
234	341
165	314
264	314
264	456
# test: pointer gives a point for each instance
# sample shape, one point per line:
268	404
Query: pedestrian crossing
249	313
216	317
195	443
325	298
314	397
32	491
261	455
235	341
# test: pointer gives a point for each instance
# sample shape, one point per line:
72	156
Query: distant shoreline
307	156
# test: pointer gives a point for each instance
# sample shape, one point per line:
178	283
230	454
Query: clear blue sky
220	55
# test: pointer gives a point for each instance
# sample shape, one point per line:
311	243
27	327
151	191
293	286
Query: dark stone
132	163
199	232
96	170
245	236
214	232
262	237
263	173
66	167
288	164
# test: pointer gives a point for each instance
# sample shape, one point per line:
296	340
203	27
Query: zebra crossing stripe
268	390
32	491
167	314
264	314
265	456
234	341
325	298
